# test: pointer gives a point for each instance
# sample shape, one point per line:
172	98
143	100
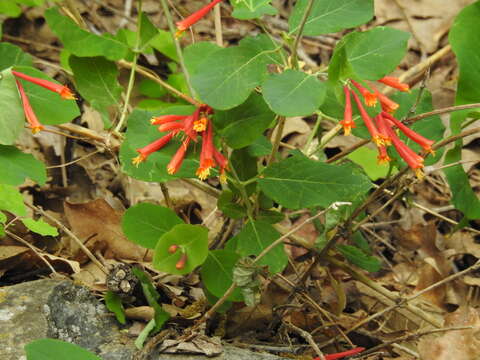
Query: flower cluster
32	119
197	123
381	127
195	17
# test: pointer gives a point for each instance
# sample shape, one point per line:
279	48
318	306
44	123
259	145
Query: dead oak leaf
100	224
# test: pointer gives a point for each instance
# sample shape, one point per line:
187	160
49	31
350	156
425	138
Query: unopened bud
181	263
172	249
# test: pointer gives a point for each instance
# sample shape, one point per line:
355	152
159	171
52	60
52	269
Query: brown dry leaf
100	224
428	21
200	344
455	344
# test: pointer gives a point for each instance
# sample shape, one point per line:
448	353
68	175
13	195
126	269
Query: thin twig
72	235
218	24
307	336
33	248
166	195
298	37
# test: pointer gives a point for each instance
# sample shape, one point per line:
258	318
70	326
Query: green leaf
367	159
298	182
260	147
226	77
147	32
329	16
3	218
254	238
164	43
81	42
196	53
11	200
52	349
293	93
17	166
242	125
359	258
151	88
217	273
252	9
141	133
145	223
228	205
152	296
12	119
114	304
192	241
49	106
11	55
463	34
96	80
40	227
10	9
245	167
368	55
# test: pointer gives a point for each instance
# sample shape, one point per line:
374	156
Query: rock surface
62	310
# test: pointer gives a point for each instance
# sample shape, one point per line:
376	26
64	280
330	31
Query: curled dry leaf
97	222
454	344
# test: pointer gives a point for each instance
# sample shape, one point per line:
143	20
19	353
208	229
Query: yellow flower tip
200	124
67	94
381	160
171	170
137	160
223	177
370	99
347	130
419	173
37	129
179	33
430	150
203	173
153	120
377	140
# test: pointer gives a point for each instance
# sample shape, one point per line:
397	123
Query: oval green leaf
298	182
17	166
328	16
217	273
52	349
191	240
145	223
293	93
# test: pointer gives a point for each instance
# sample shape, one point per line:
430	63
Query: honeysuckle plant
220	113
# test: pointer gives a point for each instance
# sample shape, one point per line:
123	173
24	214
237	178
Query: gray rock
62	310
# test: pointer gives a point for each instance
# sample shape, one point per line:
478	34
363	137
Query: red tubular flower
189	124
382	128
376	138
200	124
177	159
206	155
343	354
388	105
222	163
171	126
195	17
425	143
370	98
159	120
412	159
383	157
182	262
151	148
63	90
27	109
347	121
395	83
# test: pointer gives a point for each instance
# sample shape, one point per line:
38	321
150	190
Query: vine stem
218	25
178	48
278	138
308	9
131	80
152	76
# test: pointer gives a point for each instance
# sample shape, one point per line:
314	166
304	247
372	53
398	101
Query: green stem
308	9
178	48
131	80
243	192
278	138
313	133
